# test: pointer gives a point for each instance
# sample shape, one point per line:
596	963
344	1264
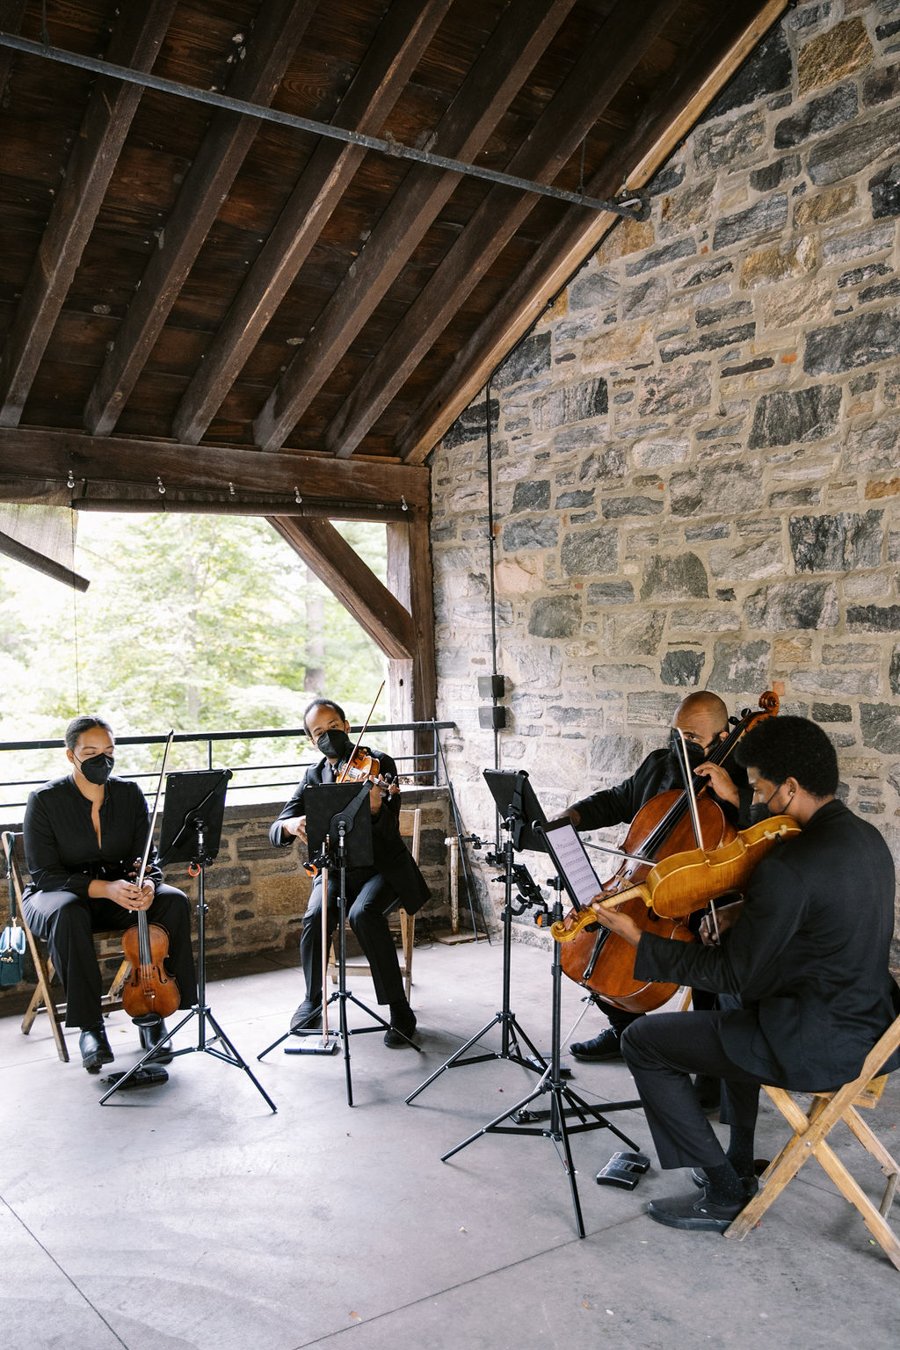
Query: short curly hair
322	703
791	747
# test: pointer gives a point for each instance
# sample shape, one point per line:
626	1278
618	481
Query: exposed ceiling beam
594	81
402	37
11	12
280	26
485	94
659	132
136	42
27	455
341	569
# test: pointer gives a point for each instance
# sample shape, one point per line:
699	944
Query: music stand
523	818
190	832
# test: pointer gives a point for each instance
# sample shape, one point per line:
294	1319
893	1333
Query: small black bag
12	939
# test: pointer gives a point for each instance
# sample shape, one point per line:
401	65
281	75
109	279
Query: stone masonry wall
697	451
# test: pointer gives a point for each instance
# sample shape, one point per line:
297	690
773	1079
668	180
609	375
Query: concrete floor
189	1216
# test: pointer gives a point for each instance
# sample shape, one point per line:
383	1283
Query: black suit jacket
392	859
659	772
808	956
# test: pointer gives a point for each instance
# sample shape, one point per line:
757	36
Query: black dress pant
662	1051
369	898
67	924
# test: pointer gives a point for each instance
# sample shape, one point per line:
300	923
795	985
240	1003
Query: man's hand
725	918
296	826
719	780
617	922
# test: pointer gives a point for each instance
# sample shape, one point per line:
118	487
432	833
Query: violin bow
140	878
362	732
690	788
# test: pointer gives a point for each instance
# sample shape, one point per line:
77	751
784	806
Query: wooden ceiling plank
484	96
111	108
270	48
131	462
592	84
340	568
11	12
663	126
398	46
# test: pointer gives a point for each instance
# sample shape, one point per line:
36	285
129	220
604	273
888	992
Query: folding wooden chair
809	1140
42	1000
410	829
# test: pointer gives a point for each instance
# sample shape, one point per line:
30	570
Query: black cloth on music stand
513	793
189	797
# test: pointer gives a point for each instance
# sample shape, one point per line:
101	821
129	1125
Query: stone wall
697	451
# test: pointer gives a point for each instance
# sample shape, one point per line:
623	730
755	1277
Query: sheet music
570	856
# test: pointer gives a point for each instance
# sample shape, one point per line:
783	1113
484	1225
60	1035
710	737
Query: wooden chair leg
114	992
42	999
407	942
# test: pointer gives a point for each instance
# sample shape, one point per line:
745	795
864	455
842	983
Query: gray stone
880	727
842	543
610	593
894	673
659	257
647	298
766	71
633	634
886	291
530	358
728	488
614	508
793	604
555	616
881	86
836	681
885	190
748	368
614	758
666	179
792	416
572	403
681	578
522	534
858	244
707	315
603	465
740	665
574	500
688	278
471	425
764	217
858	341
531	496
590	551
819	115
617	676
682	668
873	450
854	148
764	180
873	618
594	290
831	712
684	389
860	274
708	342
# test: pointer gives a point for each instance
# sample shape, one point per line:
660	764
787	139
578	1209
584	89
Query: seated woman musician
85	835
371	891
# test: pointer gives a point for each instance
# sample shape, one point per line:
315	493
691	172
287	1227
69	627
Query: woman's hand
617	922
126	894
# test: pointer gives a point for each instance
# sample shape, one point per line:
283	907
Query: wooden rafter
401	39
11	12
671	113
592	84
279	29
485	94
136	41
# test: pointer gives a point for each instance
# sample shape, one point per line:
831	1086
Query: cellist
702	718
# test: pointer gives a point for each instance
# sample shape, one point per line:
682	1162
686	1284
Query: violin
362	767
601	960
685	882
149	988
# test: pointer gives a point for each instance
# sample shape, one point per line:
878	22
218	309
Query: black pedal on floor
623	1169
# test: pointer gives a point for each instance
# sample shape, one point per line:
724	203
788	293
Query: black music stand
190	832
522	817
339	833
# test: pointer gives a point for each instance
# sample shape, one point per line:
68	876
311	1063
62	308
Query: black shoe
604	1046
750	1184
400	1032
152	1030
95	1048
694	1212
309	1014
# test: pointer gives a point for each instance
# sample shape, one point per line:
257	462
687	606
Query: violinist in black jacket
371	891
702	718
807	952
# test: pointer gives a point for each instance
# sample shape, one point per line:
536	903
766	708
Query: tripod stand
334	811
557	1128
200	820
511	1030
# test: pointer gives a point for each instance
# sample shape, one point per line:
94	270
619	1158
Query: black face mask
697	754
97	769
760	810
334	744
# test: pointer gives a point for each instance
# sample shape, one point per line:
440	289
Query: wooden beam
483	97
665	123
593	82
335	563
280	26
111	108
116	461
11	12
402	37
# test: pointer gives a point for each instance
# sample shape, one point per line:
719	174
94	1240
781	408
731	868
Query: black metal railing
27	764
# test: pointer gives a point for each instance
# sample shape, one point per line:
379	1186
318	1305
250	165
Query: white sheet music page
571	857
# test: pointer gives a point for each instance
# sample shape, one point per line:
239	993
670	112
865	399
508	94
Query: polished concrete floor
189	1217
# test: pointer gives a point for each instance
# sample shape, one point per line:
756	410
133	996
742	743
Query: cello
601	961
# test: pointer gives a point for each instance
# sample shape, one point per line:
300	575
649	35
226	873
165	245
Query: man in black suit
371	891
807	953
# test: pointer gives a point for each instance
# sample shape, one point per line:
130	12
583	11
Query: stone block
633	634
824	206
885	190
777	262
657	452
688	278
711	340
858	244
752	562
661	257
768	70
738	666
602	593
822	114
795	416
773	175
793	604
616	508
707	315
528	361
603	465
555	616
688	208
577	499
836	543
527	534
873	618
682	668
858	341
619	676
854	148
648	298
682	390
834	54
531	496
831	712
873	449
881	86
894	672
880	727
581	402
719	489
594	290
621	345
471	425
767	216
680	578
588	552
